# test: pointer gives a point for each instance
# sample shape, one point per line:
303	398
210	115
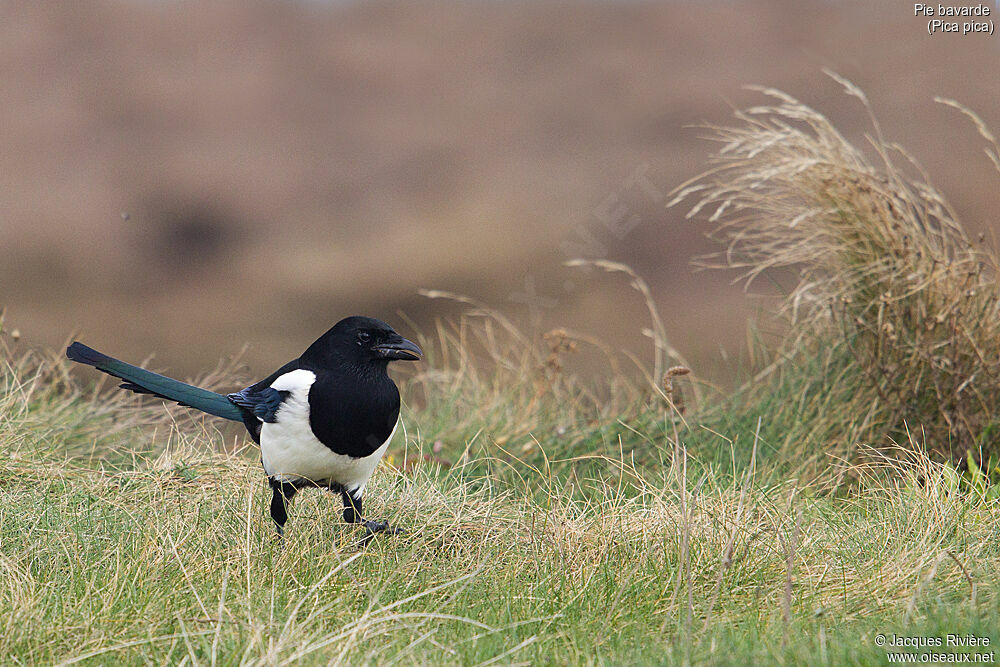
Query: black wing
260	402
263	402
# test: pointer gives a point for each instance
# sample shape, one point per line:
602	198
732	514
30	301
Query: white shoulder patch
297	379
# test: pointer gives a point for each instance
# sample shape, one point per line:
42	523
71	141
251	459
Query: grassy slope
166	557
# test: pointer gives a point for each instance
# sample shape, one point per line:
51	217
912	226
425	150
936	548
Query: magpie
322	420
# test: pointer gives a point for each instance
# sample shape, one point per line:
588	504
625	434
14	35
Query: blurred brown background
184	178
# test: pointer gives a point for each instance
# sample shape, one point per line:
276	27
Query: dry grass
888	281
485	377
45	407
487	386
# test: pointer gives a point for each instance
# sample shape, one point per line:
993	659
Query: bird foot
381	527
373	528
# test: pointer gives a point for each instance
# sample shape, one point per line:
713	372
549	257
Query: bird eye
364	337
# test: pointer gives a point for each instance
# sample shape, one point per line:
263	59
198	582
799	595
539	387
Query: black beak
401	350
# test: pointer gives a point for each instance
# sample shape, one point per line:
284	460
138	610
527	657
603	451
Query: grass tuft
892	298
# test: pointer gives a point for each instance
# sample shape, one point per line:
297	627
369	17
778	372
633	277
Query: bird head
361	341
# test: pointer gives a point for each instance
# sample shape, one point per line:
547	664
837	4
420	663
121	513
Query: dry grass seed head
887	276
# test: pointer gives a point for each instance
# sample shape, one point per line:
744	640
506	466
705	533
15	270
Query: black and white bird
322	420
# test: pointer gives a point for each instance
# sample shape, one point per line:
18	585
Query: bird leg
352	507
353	514
283	494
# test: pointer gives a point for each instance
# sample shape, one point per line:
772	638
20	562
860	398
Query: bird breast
291	452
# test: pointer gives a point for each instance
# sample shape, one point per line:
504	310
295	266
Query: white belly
291	453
